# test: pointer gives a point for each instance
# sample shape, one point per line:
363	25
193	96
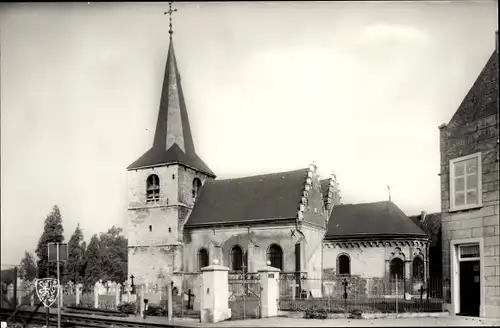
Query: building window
465	182
202	258
343	265
152	188
418	268
275	256
470	251
396	269
196	188
236	256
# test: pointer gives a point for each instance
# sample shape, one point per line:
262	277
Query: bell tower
163	185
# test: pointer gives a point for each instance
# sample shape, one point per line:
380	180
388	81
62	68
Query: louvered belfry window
153	189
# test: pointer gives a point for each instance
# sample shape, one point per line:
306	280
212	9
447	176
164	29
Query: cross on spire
170	12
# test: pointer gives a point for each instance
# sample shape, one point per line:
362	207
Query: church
181	218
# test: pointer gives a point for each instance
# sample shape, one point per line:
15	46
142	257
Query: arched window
236	255
196	187
275	256
396	268
418	268
152	188
202	258
344	264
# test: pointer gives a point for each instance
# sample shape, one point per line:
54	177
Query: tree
106	257
52	233
114	245
93	262
27	267
75	256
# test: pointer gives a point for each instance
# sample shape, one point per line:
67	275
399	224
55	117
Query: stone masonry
473	129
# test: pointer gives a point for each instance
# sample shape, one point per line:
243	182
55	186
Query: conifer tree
27	267
93	262
75	256
52	233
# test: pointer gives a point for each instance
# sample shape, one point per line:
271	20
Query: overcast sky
359	88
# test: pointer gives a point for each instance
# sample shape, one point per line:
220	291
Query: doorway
469	282
469	288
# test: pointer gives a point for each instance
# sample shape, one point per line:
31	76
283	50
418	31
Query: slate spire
173	141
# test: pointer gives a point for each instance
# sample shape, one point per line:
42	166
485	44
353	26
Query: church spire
173	142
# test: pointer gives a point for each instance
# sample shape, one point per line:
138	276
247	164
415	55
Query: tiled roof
370	220
249	199
431	225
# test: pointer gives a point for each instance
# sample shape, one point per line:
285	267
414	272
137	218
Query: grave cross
345	283
421	290
189	305
132	286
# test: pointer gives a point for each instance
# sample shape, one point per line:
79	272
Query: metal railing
341	294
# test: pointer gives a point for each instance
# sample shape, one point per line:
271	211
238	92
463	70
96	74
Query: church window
196	188
275	256
344	265
202	258
418	268
465	182
236	255
396	268
153	189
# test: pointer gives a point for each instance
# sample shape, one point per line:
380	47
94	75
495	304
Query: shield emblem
46	290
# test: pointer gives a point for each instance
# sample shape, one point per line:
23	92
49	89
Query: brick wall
474	128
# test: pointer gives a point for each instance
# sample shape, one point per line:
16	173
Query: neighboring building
470	199
376	240
430	223
180	218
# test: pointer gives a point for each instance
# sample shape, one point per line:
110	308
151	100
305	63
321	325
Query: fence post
215	292
32	292
78	291
169	301
269	279
96	295
16	286
397	295
117	294
142	307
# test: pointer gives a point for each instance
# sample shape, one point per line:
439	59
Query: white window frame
479	173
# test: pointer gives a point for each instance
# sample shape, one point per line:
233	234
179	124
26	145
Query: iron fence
342	294
244	292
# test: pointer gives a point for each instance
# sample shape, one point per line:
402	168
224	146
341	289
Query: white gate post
215	290
269	280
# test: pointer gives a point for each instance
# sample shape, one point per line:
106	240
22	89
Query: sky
359	88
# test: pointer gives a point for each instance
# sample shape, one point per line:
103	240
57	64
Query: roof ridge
261	175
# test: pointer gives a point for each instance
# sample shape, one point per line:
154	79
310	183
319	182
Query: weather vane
170	12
